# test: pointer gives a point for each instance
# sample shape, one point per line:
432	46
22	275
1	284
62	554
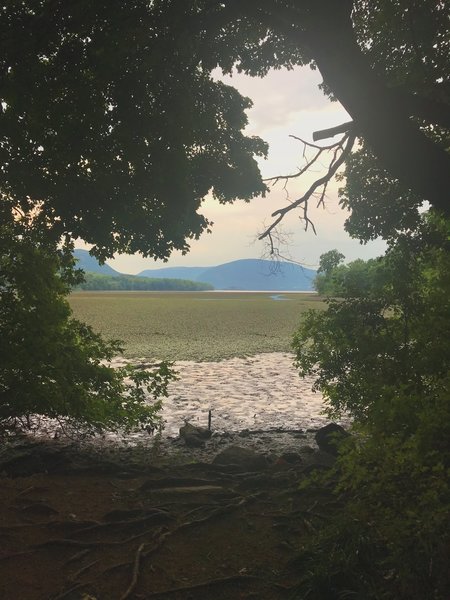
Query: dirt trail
112	530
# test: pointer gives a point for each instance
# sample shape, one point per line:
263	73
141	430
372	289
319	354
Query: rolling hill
245	274
91	265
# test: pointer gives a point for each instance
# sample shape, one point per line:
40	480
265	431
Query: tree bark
379	116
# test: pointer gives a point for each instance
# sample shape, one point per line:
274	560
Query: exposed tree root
6	528
77	556
14	554
135	573
77	574
71	525
204	584
65	593
170	482
156	516
216	512
161	539
81	544
26	490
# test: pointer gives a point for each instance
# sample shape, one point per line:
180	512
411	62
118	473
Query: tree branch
324	134
340	150
383	120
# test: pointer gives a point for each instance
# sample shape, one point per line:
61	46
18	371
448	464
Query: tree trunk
380	118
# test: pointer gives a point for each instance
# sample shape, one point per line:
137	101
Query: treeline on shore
97	281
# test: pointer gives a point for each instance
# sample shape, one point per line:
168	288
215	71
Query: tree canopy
98	281
114	129
113	126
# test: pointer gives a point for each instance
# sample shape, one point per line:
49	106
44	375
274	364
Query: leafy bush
387	336
389	537
52	364
382	355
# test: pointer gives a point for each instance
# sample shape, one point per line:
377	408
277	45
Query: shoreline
258	402
257	392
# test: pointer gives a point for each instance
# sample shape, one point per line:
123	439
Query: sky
284	103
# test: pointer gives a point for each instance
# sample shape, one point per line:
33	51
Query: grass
194	325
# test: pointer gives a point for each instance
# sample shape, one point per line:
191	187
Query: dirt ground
95	528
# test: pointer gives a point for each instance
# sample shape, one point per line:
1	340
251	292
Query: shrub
51	364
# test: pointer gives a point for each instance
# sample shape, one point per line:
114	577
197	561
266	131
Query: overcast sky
284	103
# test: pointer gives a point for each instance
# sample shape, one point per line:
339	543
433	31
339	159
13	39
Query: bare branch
340	150
310	145
277	250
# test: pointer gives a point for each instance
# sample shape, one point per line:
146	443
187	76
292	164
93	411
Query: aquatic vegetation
194	326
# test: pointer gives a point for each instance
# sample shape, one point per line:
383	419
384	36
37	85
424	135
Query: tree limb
324	134
383	121
340	150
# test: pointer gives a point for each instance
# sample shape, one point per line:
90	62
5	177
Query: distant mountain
91	265
246	274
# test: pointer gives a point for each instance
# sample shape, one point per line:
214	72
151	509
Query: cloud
279	97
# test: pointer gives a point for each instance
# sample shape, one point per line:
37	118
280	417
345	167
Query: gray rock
291	458
30	458
193	441
189	430
244	433
242	457
307	450
329	437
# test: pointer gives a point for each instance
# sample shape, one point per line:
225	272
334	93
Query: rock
329	437
242	457
194	437
307	450
244	433
290	458
193	441
30	458
200	432
319	461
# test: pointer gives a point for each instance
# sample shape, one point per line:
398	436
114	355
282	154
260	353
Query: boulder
329	437
200	432
35	457
306	450
194	437
290	458
193	441
242	457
